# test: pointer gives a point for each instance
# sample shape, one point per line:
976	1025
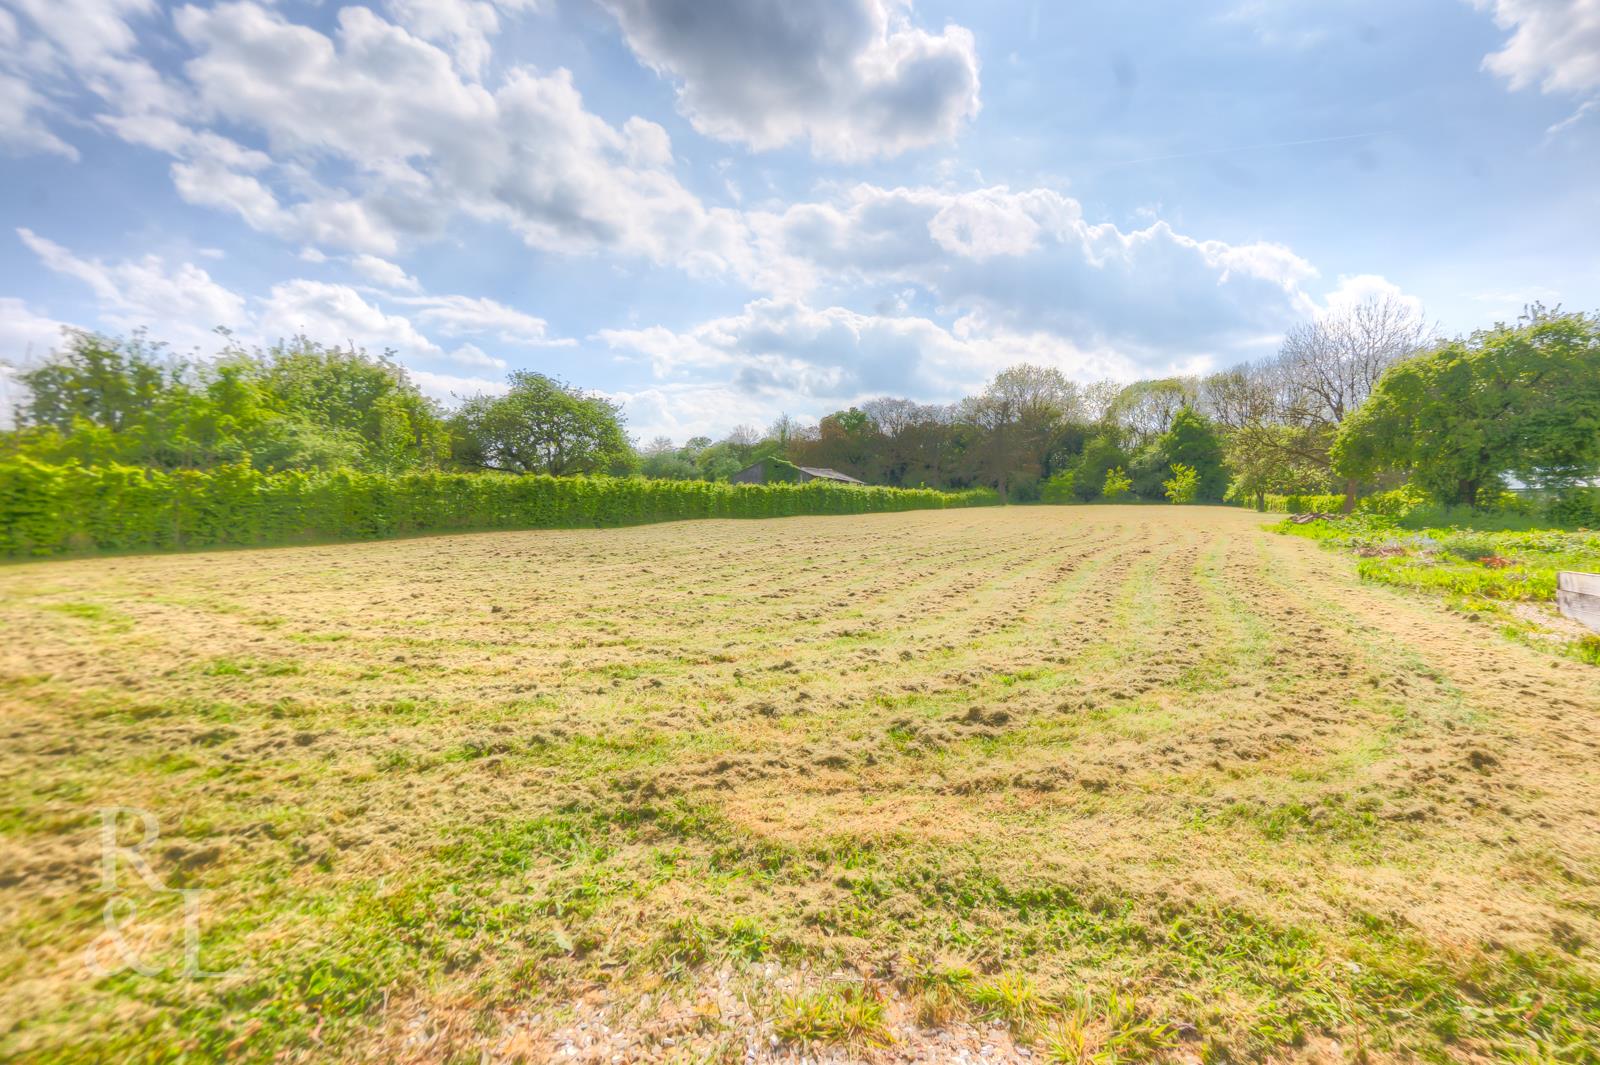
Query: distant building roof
756	473
823	473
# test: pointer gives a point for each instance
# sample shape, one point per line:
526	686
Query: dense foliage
1522	402
541	425
296	405
46	509
1030	429
701	458
1116	484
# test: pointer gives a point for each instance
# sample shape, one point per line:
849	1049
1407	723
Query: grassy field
1086	784
1506	576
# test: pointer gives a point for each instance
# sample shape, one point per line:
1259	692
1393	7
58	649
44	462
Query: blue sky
717	211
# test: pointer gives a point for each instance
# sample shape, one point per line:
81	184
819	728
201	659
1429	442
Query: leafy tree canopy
1520	400
1101	455
1193	441
296	404
542	425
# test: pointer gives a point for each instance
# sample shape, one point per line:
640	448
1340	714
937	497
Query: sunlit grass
1125	782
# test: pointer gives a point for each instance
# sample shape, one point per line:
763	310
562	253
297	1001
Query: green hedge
1396	503
1578	507
47	509
1302	504
1411	506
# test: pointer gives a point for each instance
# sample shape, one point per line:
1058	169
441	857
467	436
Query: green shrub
1396	504
1576	508
1184	484
1116	484
1313	504
47	509
1459	516
1059	488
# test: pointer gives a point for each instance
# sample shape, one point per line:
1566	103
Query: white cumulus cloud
336	314
472	355
448	388
181	305
1029	262
855	78
480	316
787	355
1554	44
385	274
425	144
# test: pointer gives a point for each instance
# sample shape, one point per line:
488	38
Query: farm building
777	470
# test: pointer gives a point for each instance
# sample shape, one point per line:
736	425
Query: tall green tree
100	381
1101	455
1193	441
921	444
1520	401
541	425
661	461
1019	416
345	395
1145	410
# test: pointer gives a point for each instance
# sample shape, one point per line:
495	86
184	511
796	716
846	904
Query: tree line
1366	398
1363	399
298	405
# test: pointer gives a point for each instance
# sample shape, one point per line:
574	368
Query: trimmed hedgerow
1302	503
47	509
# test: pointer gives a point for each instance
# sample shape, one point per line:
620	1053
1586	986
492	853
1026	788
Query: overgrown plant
849	1015
1183	485
1116	484
1059	487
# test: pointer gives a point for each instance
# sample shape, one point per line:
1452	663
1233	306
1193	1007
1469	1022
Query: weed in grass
87	611
1011	998
1105	1032
940	994
846	1015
